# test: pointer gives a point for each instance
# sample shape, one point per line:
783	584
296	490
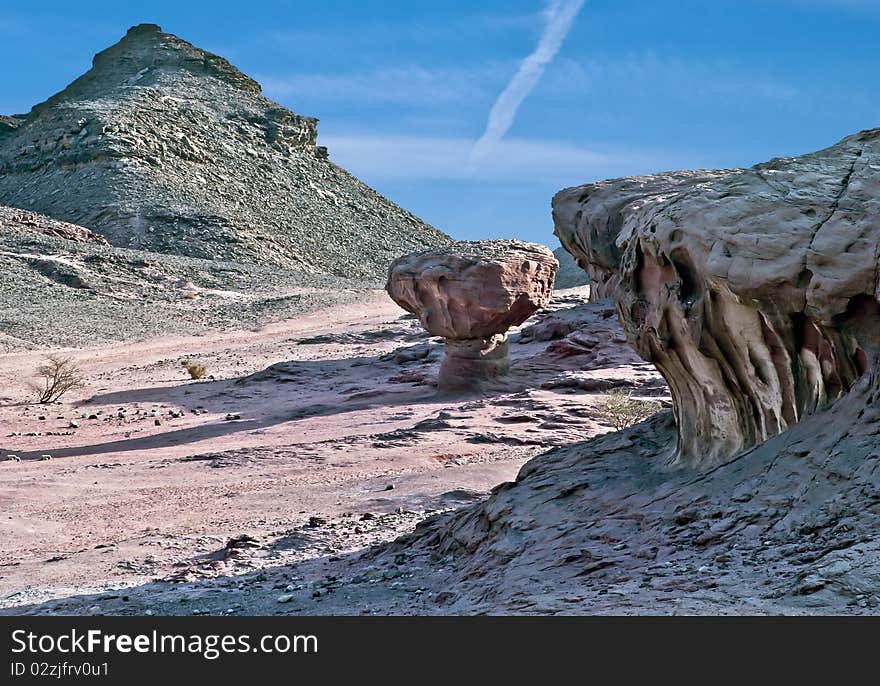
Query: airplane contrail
560	16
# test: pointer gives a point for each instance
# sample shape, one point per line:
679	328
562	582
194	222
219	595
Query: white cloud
559	16
376	157
405	84
648	74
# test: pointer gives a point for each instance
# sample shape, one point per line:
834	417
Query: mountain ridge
165	147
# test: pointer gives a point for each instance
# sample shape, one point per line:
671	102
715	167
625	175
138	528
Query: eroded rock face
754	291
471	293
570	275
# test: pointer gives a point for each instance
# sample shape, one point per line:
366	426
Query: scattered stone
242	541
810	584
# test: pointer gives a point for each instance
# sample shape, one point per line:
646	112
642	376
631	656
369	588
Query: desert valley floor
331	460
300	447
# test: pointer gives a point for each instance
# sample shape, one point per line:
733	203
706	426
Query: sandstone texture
471	293
164	147
754	291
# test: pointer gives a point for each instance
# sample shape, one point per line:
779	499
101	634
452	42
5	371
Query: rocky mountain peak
141	58
163	146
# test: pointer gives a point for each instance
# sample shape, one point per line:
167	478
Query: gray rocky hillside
64	285
164	147
569	274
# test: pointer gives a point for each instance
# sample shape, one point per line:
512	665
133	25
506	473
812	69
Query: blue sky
403	89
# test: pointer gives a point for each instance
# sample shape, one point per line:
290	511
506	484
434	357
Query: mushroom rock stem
469	362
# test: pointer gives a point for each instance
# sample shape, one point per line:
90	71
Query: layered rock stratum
754	291
22	221
471	293
164	147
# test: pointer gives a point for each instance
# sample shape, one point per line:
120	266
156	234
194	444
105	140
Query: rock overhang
754	291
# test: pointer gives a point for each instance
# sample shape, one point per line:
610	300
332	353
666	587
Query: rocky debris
164	147
13	219
579	342
786	527
587	383
92	292
547	329
10	123
410	353
754	291
242	541
415	332
569	275
471	293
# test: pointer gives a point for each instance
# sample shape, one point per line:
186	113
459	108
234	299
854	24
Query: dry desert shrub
195	369
620	409
55	377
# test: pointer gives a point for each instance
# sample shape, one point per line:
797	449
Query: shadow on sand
367	575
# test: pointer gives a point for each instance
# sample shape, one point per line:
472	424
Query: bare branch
56	376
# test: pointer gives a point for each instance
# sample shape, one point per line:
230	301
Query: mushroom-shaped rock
754	291
471	293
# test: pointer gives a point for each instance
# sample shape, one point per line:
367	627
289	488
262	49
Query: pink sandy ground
139	494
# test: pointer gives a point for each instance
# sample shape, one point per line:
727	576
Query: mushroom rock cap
755	292
473	289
